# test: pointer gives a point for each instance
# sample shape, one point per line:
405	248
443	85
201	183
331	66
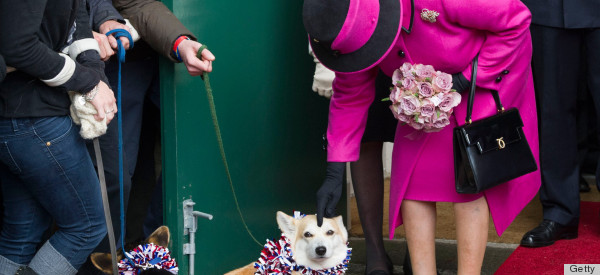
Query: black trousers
558	63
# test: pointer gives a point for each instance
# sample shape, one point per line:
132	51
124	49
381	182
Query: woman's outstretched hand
330	192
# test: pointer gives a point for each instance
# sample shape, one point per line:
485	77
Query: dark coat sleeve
22	48
102	11
19	43
155	23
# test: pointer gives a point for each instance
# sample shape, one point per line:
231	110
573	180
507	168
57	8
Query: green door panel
271	122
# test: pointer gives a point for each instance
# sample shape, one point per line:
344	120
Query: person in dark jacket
161	33
560	30
2	69
2	76
101	16
46	172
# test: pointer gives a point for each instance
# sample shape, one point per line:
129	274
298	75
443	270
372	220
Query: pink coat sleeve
353	93
506	27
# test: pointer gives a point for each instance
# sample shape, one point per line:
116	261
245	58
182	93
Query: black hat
352	35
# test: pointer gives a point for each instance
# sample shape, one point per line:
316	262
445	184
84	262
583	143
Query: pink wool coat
499	31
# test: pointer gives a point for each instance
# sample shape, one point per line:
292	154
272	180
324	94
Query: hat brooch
429	15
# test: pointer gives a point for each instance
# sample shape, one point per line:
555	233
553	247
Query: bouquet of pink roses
423	97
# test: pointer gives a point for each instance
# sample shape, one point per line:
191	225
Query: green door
272	126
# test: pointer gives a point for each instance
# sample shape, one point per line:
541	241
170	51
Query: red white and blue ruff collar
146	256
276	258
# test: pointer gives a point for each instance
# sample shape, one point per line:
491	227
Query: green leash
213	113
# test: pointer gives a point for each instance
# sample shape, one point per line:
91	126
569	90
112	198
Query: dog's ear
102	261
161	236
287	225
340	222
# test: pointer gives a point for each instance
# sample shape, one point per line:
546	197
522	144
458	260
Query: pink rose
429	127
407	69
449	101
442	82
394	109
404	118
415	125
397	77
410	105
441	121
398	113
424	71
437	99
427	108
425	89
395	94
409	83
397	108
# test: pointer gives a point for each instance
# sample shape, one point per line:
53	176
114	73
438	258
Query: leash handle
213	113
118	33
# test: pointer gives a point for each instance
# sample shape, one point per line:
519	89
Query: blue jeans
47	175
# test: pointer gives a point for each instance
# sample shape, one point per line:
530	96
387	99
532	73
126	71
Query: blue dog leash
118	33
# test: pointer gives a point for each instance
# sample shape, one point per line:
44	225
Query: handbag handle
471	99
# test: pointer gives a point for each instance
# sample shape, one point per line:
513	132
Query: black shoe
389	265
547	233
583	185
25	270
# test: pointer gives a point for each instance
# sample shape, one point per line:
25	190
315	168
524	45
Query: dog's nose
321	250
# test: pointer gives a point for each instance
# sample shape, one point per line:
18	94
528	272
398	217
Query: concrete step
446	255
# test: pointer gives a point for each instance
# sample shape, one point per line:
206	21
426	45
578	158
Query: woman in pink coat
358	38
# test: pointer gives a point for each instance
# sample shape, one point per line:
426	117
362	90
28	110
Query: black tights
367	179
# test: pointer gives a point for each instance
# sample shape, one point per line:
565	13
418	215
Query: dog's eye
308	235
330	232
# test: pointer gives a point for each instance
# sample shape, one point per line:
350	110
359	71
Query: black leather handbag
492	150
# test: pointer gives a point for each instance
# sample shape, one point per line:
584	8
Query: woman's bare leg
419	223
472	222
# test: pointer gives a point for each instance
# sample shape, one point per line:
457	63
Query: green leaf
385	99
437	112
428	79
417	117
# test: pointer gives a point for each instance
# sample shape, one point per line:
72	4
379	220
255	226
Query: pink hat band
358	27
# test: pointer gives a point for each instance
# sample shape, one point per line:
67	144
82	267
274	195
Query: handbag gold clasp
501	143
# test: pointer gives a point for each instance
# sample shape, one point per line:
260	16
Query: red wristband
176	45
178	40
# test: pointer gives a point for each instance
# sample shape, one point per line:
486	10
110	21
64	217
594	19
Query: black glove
330	192
460	83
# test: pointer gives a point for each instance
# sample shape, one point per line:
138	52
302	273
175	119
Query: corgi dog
310	249
154	246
